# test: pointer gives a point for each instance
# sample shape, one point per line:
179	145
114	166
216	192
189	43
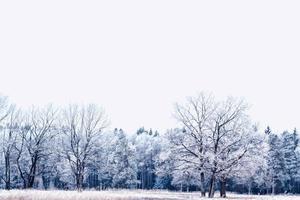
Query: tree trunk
143	179
79	181
212	186
223	187
273	188
31	176
202	186
249	188
7	171
30	181
32	171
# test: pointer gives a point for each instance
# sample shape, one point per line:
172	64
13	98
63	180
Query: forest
215	147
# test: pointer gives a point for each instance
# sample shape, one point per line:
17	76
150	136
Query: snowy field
120	195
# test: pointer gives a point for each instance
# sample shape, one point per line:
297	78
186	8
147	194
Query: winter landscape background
215	147
160	99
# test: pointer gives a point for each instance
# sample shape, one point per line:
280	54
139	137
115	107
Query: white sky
136	58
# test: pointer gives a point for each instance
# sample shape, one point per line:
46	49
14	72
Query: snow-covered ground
120	195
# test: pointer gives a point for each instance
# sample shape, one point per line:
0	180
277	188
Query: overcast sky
136	58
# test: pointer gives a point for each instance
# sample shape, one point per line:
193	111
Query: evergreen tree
147	147
123	168
275	161
290	160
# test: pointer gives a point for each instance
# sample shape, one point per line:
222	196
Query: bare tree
195	117
8	130
9	136
37	131
215	137
229	139
81	127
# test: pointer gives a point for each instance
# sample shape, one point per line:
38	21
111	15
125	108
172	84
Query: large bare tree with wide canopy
216	135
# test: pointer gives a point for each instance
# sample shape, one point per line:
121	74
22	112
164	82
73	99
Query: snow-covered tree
231	138
275	160
251	169
122	162
8	134
147	147
81	127
216	135
99	169
35	134
291	164
195	116
164	165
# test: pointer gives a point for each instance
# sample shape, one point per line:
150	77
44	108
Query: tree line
216	146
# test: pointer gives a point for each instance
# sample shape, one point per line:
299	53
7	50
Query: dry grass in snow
121	195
